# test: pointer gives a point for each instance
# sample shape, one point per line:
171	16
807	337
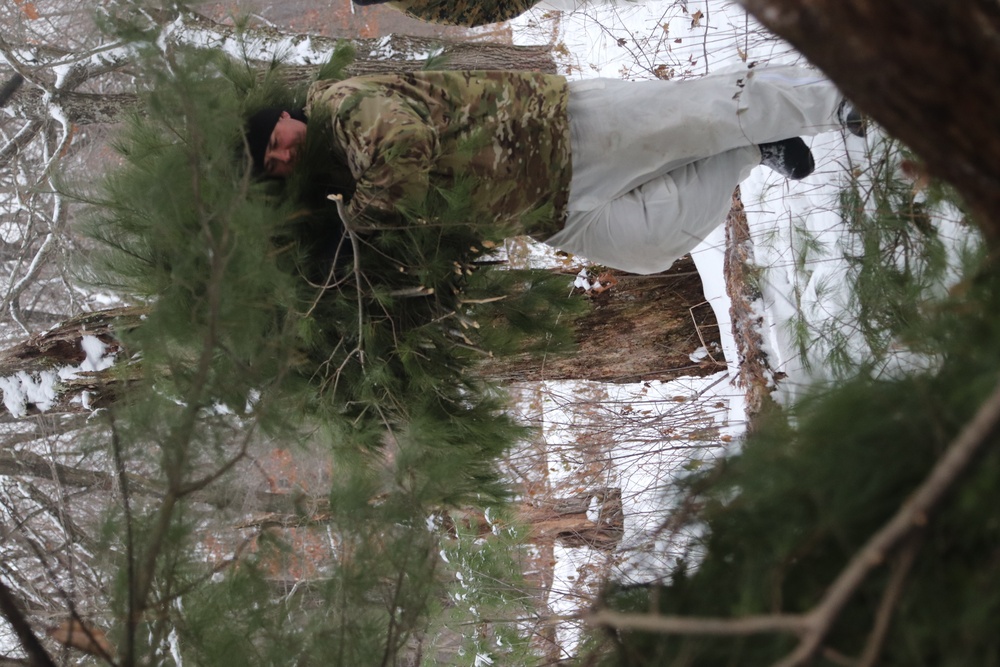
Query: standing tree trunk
926	71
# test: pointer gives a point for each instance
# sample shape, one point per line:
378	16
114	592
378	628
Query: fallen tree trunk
642	328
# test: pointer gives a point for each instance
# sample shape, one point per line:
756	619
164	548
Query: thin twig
132	621
893	591
355	247
199	484
697	330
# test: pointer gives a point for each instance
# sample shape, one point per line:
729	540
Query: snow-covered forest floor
616	448
787	288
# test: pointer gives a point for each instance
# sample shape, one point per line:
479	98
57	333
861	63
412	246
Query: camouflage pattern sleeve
390	150
469	13
404	136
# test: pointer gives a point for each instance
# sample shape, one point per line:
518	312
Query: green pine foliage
897	260
487	596
782	518
263	320
900	261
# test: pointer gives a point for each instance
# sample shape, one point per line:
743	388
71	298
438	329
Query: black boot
789	157
852	119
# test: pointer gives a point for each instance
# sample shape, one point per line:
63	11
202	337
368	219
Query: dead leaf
663	72
83	637
605	281
696	19
28	8
917	173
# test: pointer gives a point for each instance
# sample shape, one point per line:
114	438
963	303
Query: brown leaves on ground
83	637
605	281
28	9
917	172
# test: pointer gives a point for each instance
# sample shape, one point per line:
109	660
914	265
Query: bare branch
33	647
10	299
9	88
123	486
20	140
349	226
688	625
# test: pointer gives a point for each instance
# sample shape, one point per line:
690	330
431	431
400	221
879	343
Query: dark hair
258	132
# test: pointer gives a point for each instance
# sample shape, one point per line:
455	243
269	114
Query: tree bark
593	518
394	53
60	347
643	328
389	49
925	71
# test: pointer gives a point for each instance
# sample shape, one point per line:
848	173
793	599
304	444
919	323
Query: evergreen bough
782	518
262	318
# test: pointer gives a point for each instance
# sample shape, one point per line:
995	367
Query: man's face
283	149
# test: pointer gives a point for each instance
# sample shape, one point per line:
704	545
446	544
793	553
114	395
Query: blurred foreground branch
813	626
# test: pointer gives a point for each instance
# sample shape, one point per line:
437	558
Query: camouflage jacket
464	12
404	135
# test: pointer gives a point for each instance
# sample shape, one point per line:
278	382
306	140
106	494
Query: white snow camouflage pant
655	163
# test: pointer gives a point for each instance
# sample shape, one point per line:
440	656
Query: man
631	175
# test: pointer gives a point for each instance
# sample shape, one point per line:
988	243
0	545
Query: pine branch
813	626
182	437
912	514
352	235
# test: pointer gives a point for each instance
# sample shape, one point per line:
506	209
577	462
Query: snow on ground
673	428
683	39
23	391
798	242
798	236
